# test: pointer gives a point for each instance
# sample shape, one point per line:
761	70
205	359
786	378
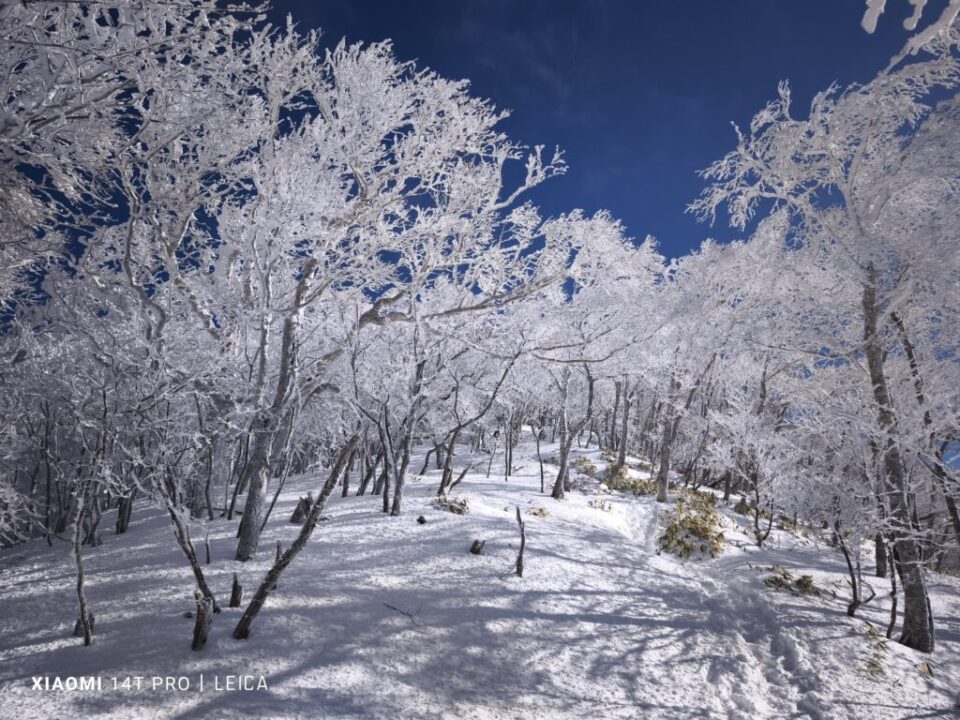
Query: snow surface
382	617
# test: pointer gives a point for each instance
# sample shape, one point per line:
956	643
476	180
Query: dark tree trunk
447	475
401	477
426	460
204	620
182	534
880	550
236	592
894	571
624	426
125	511
617	389
460	477
536	437
663	472
370	470
523	544
559	485
345	482
255	476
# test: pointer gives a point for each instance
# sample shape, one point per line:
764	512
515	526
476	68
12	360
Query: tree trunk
617	389
182	534
369	471
523	544
565	443
426	460
345	483
536	437
918	630
567	436
407	429
236	592
401	476
446	475
84	618
204	620
624	427
880	551
124	511
663	472
273	575
255	475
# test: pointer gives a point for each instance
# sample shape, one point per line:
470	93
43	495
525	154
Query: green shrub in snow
584	466
618	479
695	527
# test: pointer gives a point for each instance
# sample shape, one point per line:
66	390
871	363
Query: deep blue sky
639	93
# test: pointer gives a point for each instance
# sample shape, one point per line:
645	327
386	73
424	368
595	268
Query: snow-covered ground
383	617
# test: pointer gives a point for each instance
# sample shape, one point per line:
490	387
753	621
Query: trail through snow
754	666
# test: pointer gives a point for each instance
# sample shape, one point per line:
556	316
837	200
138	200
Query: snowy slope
386	618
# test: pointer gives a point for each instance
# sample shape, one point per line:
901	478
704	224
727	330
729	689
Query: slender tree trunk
401	477
536	437
369	471
568	435
182	534
426	460
446	476
345	483
408	428
663	472
617	389
84	618
624	427
565	446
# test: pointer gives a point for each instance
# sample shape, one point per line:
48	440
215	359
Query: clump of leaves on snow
695	527
539	512
805	584
584	466
783	579
458	506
